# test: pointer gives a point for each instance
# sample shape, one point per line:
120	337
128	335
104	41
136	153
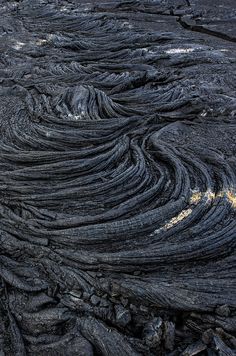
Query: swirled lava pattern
117	177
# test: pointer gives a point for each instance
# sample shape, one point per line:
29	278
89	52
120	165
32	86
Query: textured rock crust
117	177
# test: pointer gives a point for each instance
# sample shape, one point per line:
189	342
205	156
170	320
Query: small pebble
207	336
104	303
124	301
86	295
143	309
223	310
133	308
123	316
95	300
152	332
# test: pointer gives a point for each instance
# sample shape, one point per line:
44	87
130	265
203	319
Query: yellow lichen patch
210	195
220	194
229	194
175	220
231	197
196	197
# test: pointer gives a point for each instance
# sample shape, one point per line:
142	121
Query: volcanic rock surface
117	177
